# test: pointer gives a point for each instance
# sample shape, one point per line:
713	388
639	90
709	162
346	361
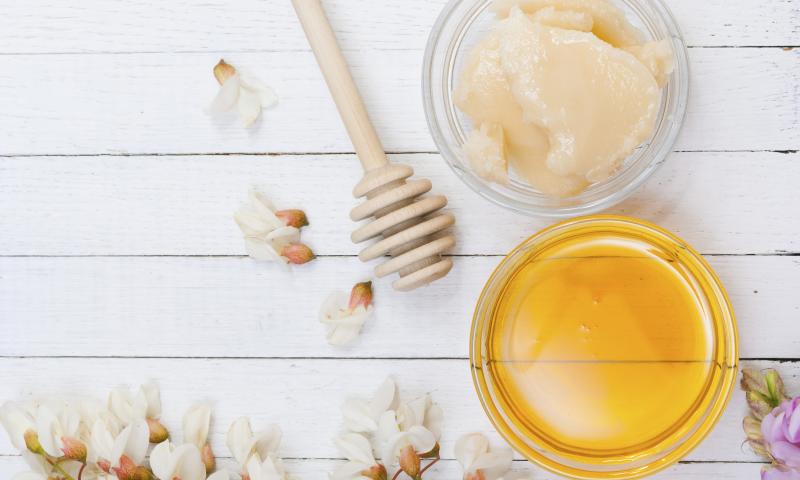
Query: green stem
60	469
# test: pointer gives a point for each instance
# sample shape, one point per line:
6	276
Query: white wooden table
119	260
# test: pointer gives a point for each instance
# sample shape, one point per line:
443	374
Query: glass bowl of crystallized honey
604	347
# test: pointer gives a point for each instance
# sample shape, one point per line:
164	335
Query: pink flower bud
158	432
293	218
128	470
74	449
410	462
104	465
32	442
361	295
208	458
298	253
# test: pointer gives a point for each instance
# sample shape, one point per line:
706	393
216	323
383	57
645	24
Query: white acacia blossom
242	92
107	446
356	448
184	462
362	416
89	439
403	434
480	461
271	235
257	453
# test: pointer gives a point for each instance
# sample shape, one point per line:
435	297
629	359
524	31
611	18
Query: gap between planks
302	154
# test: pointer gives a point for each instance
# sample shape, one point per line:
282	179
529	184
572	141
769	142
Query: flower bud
764	390
142	473
752	428
361	295
104	465
208	458
74	449
375	472
410	462
32	442
223	71
158	432
298	253
127	470
293	218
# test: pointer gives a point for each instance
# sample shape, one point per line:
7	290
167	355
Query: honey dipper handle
340	82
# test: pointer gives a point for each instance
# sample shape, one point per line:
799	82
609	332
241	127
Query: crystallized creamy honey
604	346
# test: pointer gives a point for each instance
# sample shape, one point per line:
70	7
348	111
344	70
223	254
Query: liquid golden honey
604	348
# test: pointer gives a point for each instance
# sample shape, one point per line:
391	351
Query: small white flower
392	440
362	416
52	427
168	462
129	406
107	445
344	325
196	422
243	443
266	236
152	396
242	92
479	461
421	412
16	420
358	451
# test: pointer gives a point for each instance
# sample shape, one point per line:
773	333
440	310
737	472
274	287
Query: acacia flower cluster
270	234
87	439
384	434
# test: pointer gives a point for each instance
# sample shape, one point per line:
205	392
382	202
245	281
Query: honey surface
601	346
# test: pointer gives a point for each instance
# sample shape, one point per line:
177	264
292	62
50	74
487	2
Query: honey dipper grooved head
405	224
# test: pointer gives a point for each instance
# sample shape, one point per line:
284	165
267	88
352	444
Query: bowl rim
676	118
718	401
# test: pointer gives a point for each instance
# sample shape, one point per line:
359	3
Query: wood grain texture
93	26
234	307
718	202
108	79
304	395
450	470
741	99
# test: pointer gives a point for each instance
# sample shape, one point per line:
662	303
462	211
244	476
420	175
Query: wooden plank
153	103
718	202
44	26
313	469
304	395
231	307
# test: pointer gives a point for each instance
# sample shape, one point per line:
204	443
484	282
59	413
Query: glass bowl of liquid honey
604	347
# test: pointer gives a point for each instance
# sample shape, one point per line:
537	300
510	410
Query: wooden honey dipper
402	218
